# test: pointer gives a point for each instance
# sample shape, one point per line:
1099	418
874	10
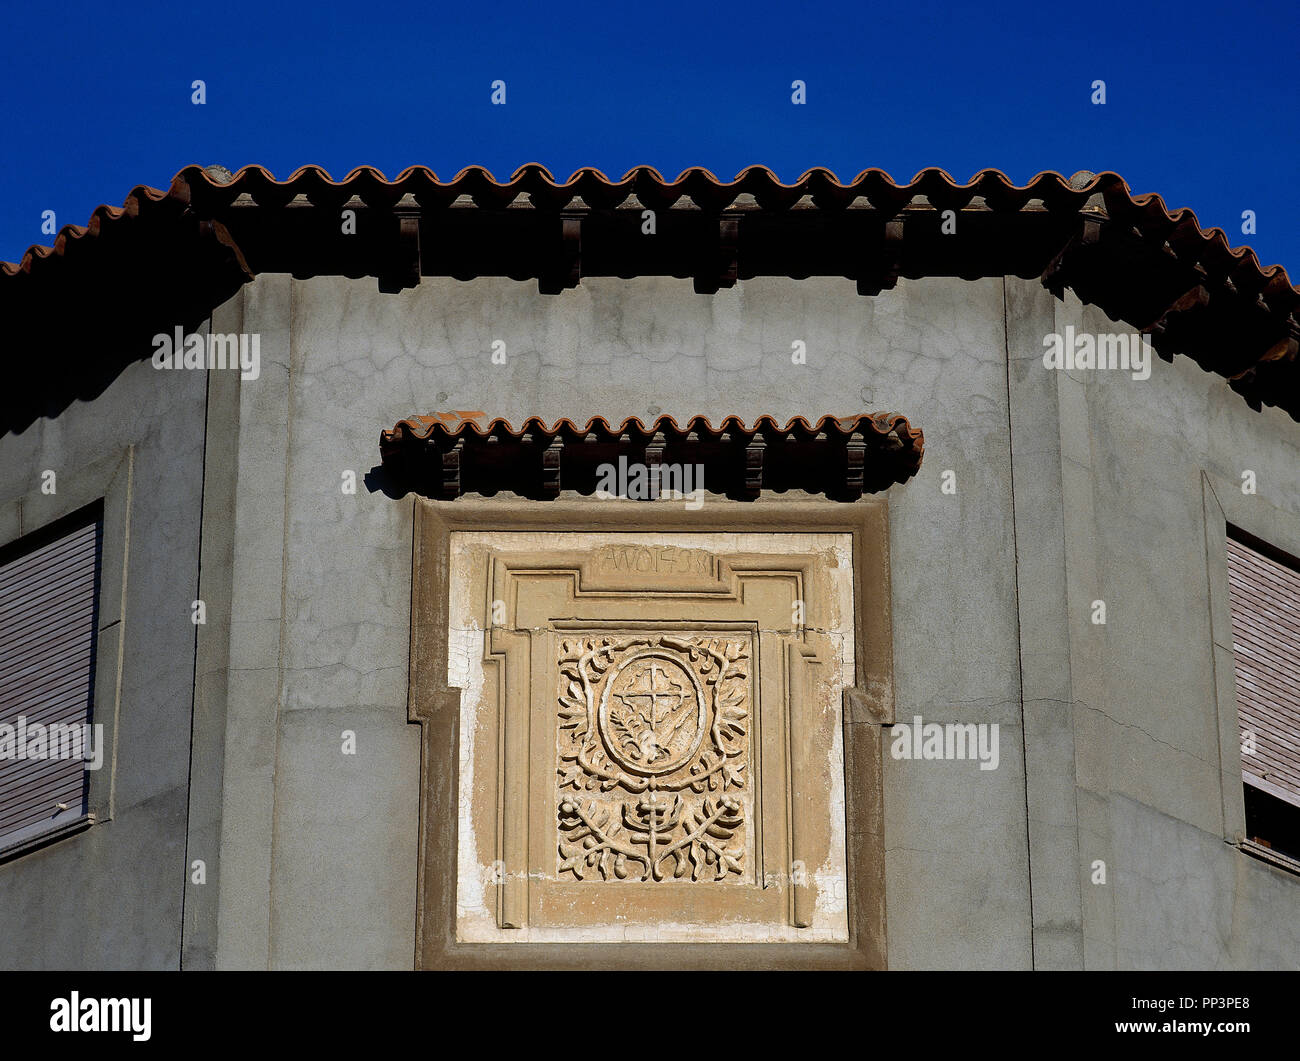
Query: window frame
1228	510
108	484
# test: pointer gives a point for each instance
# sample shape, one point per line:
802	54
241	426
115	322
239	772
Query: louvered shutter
47	663
1265	597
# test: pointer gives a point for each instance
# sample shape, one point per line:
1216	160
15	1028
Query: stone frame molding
436	708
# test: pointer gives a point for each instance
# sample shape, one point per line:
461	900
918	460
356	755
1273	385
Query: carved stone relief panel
653	756
651	738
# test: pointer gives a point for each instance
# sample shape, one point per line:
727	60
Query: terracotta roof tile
1140	262
447	454
707	191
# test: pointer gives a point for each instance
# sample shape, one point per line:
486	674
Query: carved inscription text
654	559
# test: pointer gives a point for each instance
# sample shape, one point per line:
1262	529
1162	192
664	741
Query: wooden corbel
722	267
401	267
566	270
881	274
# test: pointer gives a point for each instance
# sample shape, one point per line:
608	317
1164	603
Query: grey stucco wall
337	827
1149	748
1119	721
110	897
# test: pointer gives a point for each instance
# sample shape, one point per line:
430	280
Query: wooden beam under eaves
565	270
721	265
881	273
401	266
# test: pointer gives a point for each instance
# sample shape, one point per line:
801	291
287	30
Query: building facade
318	751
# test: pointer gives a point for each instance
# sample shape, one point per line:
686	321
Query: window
1264	588
49	583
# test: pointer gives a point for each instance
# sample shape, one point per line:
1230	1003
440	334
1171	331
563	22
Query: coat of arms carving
653	744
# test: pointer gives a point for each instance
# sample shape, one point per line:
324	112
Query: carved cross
652	692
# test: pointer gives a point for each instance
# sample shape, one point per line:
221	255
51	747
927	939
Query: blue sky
1202	103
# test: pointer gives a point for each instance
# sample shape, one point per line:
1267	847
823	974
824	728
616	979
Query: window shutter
47	664
1265	597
